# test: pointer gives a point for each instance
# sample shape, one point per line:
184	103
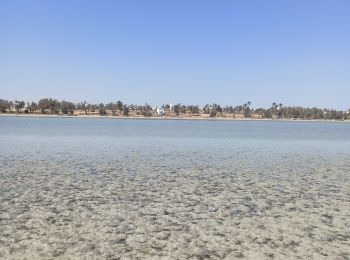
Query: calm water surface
102	188
62	135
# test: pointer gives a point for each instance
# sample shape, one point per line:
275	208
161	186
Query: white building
160	111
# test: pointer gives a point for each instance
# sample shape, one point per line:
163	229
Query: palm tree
246	109
273	105
274	108
280	110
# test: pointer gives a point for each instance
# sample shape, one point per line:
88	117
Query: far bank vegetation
51	106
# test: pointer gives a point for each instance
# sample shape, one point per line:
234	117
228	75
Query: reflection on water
186	189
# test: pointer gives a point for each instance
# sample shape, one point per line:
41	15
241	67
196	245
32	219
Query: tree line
118	108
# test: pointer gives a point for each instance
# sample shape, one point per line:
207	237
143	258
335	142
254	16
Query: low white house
160	111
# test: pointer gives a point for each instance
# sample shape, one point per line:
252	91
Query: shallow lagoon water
75	188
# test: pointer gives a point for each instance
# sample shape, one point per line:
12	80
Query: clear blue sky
296	52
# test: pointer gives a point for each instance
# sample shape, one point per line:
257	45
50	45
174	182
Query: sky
293	52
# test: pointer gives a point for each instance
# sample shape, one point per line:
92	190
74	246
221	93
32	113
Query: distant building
160	111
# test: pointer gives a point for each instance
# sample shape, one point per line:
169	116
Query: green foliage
125	110
193	109
276	111
67	107
247	112
212	113
101	109
177	109
206	109
19	105
83	106
50	104
4	105
119	105
32	107
146	110
112	107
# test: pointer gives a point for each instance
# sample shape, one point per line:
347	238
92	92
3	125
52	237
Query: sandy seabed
135	208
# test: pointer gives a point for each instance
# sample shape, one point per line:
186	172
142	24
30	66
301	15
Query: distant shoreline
170	118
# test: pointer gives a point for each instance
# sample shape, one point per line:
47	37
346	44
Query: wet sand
135	207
